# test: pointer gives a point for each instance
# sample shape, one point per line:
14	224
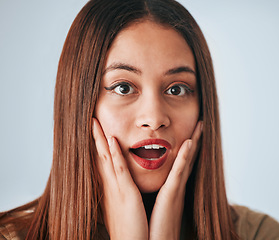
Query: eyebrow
122	66
130	68
180	70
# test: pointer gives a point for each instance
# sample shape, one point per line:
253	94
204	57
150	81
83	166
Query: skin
157	69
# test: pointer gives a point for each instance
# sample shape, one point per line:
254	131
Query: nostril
147	125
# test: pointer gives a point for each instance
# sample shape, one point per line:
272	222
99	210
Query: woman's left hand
165	222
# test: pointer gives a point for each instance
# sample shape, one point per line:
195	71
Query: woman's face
149	99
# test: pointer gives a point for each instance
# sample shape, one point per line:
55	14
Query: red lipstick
150	153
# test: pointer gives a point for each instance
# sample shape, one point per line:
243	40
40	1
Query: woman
137	146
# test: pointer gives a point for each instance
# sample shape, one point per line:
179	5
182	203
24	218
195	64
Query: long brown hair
69	207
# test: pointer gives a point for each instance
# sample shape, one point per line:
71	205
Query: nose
152	113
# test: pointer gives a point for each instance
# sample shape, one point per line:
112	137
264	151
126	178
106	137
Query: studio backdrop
243	37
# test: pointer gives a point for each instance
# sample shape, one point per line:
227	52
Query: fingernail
189	144
110	141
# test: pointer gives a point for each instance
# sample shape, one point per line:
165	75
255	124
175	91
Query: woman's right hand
122	205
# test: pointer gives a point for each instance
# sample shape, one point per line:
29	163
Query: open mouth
149	152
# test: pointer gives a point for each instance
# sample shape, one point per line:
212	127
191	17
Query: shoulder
9	232
4	233
14	224
252	225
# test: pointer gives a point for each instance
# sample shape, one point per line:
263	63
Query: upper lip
157	141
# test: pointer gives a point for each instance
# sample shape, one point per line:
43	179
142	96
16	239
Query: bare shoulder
253	225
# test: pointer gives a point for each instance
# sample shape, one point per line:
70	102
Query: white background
243	37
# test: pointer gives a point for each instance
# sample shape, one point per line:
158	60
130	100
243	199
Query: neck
149	201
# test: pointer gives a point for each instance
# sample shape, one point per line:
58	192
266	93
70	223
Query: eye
179	90
122	88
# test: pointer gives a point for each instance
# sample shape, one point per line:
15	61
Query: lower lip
150	164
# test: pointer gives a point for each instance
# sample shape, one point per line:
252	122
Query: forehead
149	42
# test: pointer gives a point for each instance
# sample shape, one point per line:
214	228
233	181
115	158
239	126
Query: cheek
187	121
113	121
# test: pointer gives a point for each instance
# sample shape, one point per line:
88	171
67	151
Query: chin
149	185
149	190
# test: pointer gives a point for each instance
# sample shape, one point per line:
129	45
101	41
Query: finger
120	165
104	161
178	169
185	153
197	132
196	140
184	161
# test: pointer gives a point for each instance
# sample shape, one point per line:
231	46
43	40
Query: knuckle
120	170
185	155
179	173
105	157
113	153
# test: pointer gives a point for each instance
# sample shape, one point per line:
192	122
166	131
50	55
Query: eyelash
115	86
183	88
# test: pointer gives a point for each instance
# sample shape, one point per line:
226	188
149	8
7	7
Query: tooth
155	146
148	146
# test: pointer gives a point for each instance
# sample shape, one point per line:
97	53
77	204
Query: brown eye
179	90
175	90
123	89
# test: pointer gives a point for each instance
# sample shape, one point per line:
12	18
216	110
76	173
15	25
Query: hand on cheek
122	205
167	213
